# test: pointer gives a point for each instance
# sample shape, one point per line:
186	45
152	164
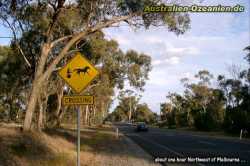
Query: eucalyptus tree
144	114
13	83
237	94
55	27
165	109
200	106
128	101
116	68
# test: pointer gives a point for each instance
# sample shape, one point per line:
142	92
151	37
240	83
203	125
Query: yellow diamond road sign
78	73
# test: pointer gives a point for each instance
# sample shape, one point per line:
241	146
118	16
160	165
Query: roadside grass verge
28	149
97	143
93	139
57	147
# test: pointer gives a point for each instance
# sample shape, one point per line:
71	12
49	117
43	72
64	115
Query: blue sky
214	41
4	33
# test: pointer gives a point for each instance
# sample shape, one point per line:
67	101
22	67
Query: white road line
165	147
208	143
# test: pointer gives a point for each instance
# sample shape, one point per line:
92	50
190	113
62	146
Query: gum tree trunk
42	74
31	107
40	118
32	102
86	114
59	107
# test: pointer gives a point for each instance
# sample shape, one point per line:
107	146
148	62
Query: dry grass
28	149
52	148
99	146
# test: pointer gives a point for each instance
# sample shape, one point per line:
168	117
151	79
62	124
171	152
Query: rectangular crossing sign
78	100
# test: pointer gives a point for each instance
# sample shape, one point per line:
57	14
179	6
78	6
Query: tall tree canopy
47	31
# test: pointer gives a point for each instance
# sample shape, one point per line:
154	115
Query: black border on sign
98	72
77	104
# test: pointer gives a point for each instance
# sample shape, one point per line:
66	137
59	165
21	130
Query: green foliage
116	67
139	112
175	22
68	18
204	76
117	115
209	108
205	122
11	83
143	114
236	92
46	31
127	104
138	68
235	120
248	54
201	106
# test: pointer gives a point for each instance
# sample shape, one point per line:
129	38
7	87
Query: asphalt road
170	146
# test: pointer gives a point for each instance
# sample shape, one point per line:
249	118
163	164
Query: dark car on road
141	126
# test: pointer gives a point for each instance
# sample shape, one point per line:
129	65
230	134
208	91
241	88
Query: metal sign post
78	73
78	135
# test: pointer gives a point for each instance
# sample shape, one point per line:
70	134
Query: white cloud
214	40
166	51
122	40
188	75
156	62
183	51
212	23
173	60
153	39
158	78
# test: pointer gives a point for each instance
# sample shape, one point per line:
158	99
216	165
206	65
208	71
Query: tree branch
80	35
24	57
15	40
55	16
60	40
91	86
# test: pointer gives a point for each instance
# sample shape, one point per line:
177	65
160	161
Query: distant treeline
225	106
